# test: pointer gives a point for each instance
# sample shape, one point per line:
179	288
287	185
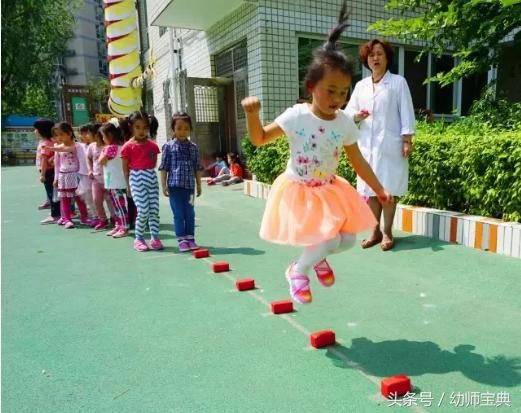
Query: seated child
233	175
215	168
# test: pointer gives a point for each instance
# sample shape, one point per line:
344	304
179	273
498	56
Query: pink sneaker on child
192	245
184	246
140	245
49	220
121	233
45	205
324	273
112	232
102	224
156	244
94	222
86	221
60	221
69	225
298	285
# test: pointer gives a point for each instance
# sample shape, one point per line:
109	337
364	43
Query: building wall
272	28
88	45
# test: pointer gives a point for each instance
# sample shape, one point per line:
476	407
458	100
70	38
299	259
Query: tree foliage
99	90
34	36
475	31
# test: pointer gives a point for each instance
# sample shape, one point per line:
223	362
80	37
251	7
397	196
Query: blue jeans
182	204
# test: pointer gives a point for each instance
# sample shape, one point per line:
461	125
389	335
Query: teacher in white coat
382	105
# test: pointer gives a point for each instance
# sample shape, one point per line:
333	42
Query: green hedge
476	173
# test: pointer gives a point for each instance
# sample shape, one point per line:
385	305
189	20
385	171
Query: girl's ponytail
336	31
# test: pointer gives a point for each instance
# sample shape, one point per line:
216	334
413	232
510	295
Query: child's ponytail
336	31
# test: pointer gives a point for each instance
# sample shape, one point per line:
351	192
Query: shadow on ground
415	358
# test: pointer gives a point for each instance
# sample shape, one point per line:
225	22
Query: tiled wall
271	29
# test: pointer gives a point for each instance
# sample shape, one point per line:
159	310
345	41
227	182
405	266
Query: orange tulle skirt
297	214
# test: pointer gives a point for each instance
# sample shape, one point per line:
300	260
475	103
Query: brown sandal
368	243
387	245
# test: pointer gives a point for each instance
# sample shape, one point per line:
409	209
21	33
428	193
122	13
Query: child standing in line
84	185
233	175
139	157
95	171
308	204
67	166
45	165
113	177
180	173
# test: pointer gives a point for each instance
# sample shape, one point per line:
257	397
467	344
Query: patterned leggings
119	202
145	193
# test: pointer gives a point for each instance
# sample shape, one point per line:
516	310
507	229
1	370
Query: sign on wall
80	113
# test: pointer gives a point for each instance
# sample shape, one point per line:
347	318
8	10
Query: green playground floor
89	325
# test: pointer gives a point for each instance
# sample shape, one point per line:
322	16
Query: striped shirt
181	161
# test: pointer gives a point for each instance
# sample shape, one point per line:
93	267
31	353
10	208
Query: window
441	97
206	104
472	87
415	73
241	90
231	60
306	47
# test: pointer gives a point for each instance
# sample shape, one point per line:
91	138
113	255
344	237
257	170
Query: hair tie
115	122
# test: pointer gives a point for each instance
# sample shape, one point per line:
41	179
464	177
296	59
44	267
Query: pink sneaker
184	246
69	225
112	232
94	222
324	273
140	245
86	221
61	221
298	285
192	245
210	182
45	205
122	232
156	244
48	220
102	225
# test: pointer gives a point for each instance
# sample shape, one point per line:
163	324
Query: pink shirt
68	162
43	151
140	155
94	152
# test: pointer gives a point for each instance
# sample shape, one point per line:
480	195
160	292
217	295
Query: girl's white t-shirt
81	151
113	173
315	144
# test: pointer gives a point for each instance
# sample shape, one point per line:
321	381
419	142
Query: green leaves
34	34
473	30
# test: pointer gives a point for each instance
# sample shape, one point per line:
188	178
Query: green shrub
451	169
475	174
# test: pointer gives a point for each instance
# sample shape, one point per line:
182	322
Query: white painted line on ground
299	327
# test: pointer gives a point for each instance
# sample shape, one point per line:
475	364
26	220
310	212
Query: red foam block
245	284
397	385
222	266
202	253
282	306
322	338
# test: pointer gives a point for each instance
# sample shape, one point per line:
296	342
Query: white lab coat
391	115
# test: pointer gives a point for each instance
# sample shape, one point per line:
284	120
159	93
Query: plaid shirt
181	160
